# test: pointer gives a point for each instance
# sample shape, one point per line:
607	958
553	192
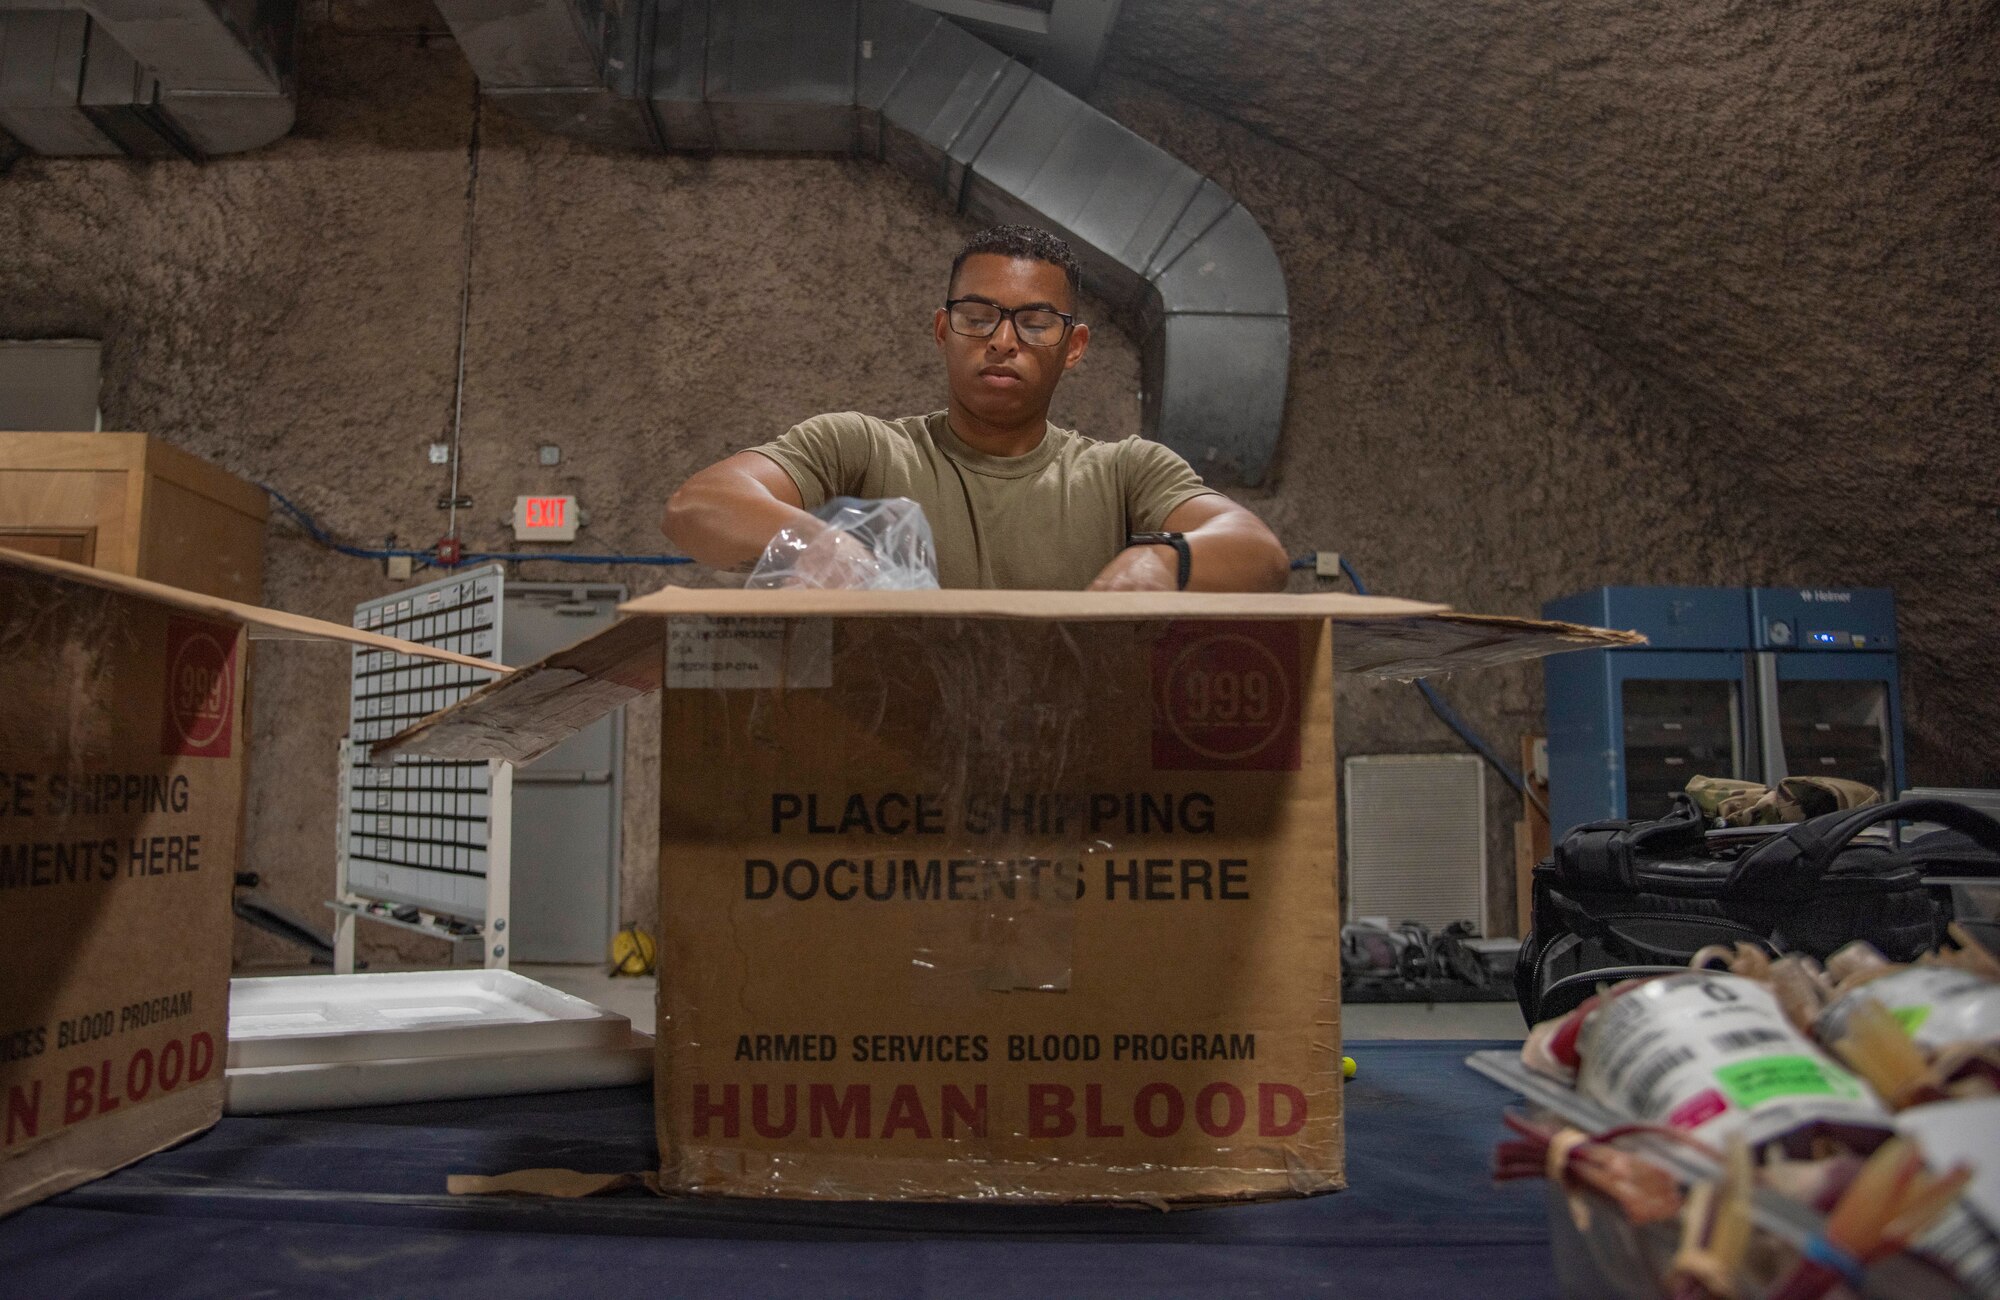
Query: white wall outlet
440	453
1326	564
400	568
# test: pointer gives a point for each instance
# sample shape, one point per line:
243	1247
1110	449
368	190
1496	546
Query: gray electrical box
567	802
49	385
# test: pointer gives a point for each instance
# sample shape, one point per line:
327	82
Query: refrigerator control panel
1823	618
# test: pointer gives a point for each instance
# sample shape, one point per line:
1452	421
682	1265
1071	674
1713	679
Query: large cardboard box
122	752
1001	895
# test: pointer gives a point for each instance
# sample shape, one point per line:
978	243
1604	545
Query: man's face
1000	378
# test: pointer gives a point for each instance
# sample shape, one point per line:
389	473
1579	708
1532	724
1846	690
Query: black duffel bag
1626	898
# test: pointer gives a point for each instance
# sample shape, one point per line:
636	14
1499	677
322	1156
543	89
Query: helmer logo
1828	597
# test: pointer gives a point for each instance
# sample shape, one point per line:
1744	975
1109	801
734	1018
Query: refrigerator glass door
1831	728
1675	730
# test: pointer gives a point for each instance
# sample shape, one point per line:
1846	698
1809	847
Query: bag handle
1792	864
1601	855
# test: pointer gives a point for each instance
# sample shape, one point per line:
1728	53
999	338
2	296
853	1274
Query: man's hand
1229	549
828	557
1140	568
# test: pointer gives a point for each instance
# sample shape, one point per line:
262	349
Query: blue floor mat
352	1202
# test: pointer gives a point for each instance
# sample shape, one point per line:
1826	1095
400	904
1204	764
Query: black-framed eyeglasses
1039	327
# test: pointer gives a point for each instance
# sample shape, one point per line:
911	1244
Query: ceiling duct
1168	248
146	78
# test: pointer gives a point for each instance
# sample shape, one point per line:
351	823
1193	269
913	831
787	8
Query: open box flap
1042	606
546	701
1407	649
540	705
263	624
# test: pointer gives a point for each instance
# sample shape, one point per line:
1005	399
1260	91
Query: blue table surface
338	1203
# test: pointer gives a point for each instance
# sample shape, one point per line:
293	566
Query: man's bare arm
1229	548
724	516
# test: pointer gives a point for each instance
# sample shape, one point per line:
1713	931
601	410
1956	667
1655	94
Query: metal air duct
146	78
1168	248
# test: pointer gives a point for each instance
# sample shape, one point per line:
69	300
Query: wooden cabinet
130	503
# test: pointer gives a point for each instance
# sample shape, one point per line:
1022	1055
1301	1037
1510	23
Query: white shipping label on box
749	653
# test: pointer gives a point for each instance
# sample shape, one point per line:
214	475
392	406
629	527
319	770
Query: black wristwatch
1176	540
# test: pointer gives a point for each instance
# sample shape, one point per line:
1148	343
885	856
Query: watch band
1176	540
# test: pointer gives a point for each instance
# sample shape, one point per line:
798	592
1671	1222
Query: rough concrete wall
292	315
1456	440
1789	210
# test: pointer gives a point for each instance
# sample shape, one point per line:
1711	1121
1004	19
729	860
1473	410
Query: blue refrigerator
1755	685
1627	728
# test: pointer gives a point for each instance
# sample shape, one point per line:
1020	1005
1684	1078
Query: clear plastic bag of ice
862	546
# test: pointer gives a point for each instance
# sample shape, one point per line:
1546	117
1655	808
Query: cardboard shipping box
1000	895
122	754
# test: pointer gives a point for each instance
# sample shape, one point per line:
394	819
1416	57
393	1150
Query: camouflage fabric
1746	803
1711	792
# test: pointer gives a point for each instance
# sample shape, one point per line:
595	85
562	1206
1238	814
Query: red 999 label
200	707
1226	697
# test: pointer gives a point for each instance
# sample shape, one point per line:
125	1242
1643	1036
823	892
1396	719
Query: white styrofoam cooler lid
317	1019
333	1085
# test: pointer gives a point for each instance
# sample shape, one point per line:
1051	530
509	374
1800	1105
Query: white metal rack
429	838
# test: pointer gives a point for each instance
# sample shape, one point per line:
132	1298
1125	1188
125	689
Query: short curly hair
1030	242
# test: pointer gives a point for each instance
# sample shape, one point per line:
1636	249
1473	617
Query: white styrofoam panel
272	1089
1416	838
317	1019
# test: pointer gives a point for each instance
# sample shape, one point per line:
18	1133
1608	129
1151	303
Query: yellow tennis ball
1348	1069
632	952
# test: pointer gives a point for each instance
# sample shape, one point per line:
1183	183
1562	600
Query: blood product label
1937	1005
1713	1055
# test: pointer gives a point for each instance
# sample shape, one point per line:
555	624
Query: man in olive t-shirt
1012	500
